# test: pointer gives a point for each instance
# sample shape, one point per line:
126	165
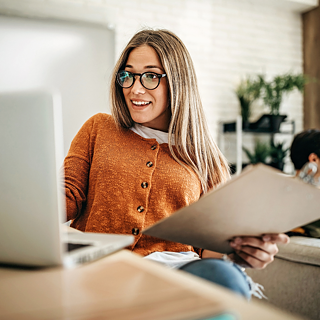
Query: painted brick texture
227	39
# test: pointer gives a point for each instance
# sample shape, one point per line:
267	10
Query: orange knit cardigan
118	182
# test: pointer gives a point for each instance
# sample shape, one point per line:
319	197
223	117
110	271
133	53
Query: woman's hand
256	252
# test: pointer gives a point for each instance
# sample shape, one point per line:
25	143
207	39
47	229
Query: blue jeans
224	273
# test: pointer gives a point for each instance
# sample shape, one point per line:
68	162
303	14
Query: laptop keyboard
74	246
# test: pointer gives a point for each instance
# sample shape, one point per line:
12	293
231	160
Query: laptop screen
31	202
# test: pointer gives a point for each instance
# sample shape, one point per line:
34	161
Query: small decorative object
247	91
277	153
308	173
260	154
271	93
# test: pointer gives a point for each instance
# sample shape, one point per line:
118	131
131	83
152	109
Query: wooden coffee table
120	286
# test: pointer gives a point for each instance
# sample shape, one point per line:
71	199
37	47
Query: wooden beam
311	52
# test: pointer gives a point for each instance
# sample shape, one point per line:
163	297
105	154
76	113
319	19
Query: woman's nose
137	87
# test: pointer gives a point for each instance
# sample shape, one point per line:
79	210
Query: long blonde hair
193	142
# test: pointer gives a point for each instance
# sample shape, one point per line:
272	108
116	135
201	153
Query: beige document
258	201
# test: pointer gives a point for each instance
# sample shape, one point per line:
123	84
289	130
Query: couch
292	281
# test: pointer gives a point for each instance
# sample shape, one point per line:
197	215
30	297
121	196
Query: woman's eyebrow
152	67
146	67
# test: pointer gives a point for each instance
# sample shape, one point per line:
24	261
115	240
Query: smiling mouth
140	103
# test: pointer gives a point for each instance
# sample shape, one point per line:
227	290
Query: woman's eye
127	76
150	76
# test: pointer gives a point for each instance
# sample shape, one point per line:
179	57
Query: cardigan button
140	208
135	231
144	185
153	147
149	164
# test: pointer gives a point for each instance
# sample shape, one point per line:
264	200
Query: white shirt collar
149	133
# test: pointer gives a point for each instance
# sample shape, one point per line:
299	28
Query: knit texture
118	182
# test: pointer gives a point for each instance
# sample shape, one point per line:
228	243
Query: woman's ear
313	158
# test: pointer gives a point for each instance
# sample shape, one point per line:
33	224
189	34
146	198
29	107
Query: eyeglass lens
148	79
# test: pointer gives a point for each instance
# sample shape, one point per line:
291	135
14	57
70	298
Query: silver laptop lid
31	153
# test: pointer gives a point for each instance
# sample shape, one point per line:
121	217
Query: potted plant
247	91
272	93
260	154
272	154
277	153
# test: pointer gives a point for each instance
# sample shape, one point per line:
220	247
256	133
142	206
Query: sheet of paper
260	200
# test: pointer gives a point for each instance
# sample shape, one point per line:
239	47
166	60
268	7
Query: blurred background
72	45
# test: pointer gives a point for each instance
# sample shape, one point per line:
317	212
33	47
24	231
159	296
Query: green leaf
272	91
260	154
248	91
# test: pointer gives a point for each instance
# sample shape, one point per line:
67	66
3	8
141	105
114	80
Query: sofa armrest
292	281
301	250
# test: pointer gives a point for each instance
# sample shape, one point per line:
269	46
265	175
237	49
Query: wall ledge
105	15
303	6
297	6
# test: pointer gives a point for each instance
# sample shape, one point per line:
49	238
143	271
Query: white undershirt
149	133
170	259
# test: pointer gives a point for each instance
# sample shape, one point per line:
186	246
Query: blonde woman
153	156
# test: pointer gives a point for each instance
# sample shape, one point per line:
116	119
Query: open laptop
32	201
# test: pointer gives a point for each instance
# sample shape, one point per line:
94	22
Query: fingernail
238	240
266	238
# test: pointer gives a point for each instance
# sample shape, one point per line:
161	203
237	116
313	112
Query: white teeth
140	103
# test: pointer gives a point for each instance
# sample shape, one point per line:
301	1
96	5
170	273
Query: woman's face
149	108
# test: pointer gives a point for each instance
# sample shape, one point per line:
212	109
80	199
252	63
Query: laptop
32	200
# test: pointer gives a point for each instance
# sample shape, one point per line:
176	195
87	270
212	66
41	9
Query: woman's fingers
252	261
257	244
258	252
276	238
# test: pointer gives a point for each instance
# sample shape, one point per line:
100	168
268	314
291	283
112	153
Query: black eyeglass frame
158	75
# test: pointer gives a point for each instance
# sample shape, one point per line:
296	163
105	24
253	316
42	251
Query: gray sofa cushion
301	249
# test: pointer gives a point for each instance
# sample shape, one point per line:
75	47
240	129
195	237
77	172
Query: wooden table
120	286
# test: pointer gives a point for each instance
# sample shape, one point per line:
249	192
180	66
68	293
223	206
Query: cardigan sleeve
198	251
76	170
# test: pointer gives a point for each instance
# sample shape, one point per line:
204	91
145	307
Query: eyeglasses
149	80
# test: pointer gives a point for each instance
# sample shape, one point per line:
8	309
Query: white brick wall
227	39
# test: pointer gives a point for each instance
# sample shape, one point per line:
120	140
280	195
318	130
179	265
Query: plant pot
245	125
276	121
267	123
277	165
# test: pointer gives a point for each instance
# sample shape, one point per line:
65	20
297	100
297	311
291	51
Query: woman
154	156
